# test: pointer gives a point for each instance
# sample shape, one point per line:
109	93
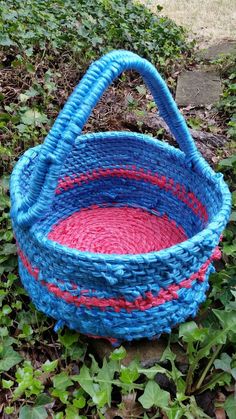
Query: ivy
45	47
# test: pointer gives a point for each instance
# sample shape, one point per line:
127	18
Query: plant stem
189	378
208	366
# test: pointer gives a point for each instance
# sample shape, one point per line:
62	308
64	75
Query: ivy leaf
38	412
233	372
85	380
8	249
75	352
23	97
71	342
104	377
230	406
175	374
79	402
154	396
153	371
62	381
28	94
229	162
223	363
141	90
101	398
43	399
94	367
62	395
233	216
5	151
175	412
229	249
129	375
227	319
118	354
50	366
33	117
215	337
72	412
68	338
6	41
7	383
191	332
9	358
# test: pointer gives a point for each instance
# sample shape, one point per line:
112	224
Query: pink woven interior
117	231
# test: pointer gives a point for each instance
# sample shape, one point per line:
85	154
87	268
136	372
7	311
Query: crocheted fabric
116	232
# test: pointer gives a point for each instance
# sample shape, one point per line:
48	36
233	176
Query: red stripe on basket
132	172
111	340
140	303
32	271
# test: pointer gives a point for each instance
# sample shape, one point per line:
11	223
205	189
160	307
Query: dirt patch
207	20
123	108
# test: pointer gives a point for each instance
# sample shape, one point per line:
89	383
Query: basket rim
216	225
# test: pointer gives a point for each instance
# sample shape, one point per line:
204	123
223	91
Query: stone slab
217	50
198	88
148	352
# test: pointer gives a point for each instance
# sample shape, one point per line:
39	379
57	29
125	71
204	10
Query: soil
114	113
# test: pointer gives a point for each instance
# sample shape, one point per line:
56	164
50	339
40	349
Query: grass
208	20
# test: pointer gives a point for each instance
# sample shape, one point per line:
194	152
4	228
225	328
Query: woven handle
74	115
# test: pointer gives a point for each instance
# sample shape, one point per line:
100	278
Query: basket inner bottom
114	230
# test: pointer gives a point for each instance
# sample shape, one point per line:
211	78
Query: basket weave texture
116	231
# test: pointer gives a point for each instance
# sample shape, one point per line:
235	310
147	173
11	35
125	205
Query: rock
216	51
208	143
198	88
148	352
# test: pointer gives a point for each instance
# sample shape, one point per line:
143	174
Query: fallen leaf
220	397
220	413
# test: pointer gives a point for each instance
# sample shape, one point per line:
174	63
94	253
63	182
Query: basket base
117	230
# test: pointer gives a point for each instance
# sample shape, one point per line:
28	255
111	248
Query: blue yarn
59	325
46	266
136	326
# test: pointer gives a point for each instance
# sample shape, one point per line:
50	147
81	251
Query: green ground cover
45	46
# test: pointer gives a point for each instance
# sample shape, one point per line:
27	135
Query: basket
116	231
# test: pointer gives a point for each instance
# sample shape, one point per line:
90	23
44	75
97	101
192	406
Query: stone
208	143
216	51
148	352
198	88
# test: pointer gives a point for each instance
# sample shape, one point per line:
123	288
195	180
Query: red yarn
34	272
141	303
117	231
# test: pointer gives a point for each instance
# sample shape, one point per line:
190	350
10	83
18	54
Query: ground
55	376
209	21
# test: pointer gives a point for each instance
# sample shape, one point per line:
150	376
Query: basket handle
74	115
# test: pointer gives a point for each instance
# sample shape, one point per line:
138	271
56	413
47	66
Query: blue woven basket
112	295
